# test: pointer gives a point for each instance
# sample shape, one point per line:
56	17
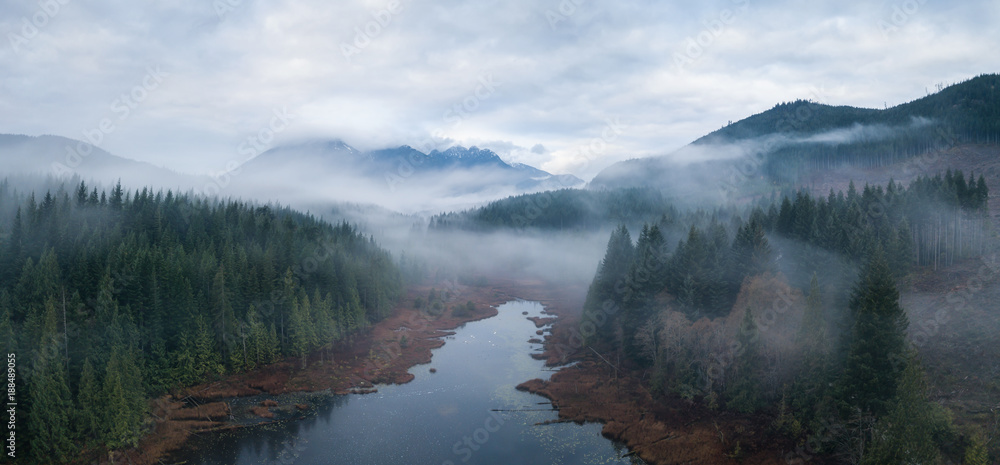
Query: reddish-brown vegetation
541	321
378	356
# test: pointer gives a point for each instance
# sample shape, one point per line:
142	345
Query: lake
468	412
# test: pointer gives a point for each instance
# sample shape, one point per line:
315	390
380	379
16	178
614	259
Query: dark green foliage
906	434
743	384
975	451
963	113
123	399
752	253
464	310
917	225
89	401
810	386
646	276
151	291
607	292
703	272
562	209
877	343
51	403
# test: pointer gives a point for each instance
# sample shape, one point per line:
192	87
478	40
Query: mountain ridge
792	139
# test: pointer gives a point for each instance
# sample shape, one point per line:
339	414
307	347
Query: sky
569	86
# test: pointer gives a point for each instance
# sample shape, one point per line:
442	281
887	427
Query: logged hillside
787	143
791	318
108	297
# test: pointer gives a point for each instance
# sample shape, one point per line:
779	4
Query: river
467	412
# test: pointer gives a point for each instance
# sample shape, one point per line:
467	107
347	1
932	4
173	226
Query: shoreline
658	429
382	354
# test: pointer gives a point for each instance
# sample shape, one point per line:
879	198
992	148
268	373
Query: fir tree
906	433
51	402
975	451
877	342
89	400
606	292
124	399
743	391
811	383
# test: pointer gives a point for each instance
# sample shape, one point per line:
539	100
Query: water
442	418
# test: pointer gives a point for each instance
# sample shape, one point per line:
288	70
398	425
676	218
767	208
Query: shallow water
445	418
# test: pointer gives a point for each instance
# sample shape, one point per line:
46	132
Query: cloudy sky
565	85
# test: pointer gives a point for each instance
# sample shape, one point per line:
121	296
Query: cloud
419	68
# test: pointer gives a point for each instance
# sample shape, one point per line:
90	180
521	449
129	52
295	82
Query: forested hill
565	209
107	298
792	140
970	109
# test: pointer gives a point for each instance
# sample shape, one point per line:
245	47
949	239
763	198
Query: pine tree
256	341
975	452
906	433
606	292
877	342
89	403
207	360
124	399
184	366
743	391
272	347
51	402
811	383
751	252
301	328
646	276
223	309
8	337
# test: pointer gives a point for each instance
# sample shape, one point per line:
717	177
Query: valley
794	287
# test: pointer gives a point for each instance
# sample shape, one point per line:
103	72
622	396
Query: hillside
792	140
111	297
60	156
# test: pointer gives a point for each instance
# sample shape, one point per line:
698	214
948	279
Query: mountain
401	177
60	156
785	144
313	173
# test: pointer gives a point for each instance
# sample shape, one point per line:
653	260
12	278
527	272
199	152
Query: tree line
109	296
701	319
964	113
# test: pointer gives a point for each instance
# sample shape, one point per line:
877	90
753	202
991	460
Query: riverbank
383	354
660	430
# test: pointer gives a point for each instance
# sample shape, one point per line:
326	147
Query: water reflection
468	412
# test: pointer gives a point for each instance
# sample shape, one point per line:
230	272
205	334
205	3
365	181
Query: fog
761	145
